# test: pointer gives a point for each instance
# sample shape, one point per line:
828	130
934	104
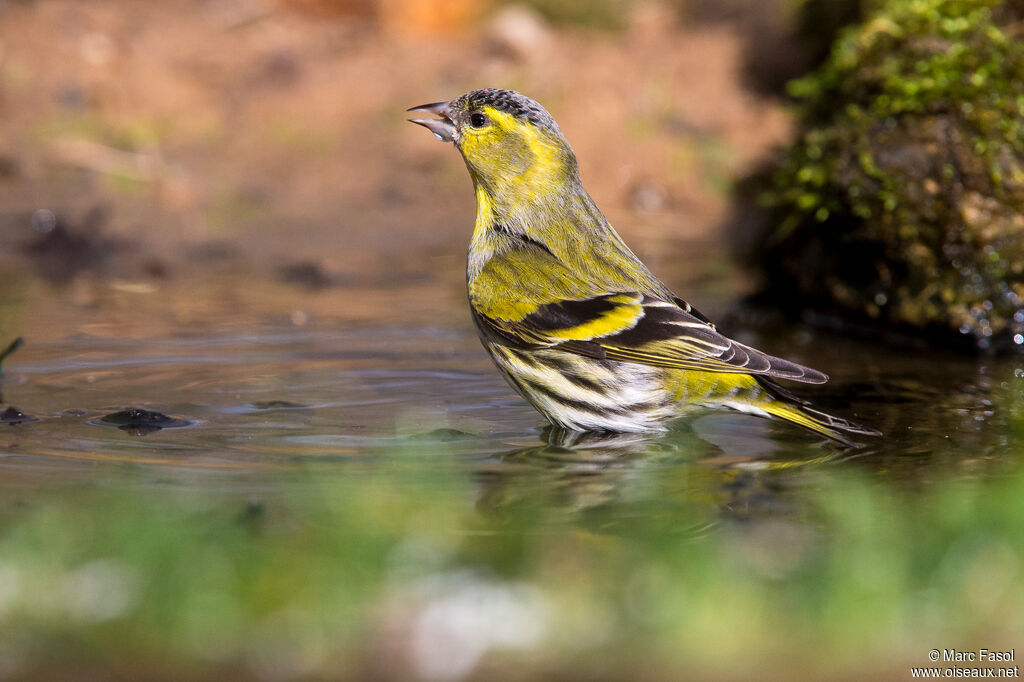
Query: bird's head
511	144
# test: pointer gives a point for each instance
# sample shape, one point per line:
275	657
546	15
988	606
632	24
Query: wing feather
634	327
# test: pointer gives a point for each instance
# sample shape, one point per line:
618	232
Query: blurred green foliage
365	575
903	198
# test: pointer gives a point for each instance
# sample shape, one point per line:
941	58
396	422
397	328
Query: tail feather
826	424
785	405
760	395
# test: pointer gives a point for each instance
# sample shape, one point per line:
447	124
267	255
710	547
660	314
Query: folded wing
635	327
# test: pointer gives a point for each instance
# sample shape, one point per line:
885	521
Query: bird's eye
478	120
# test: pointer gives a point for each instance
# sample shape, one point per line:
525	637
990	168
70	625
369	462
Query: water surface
265	396
360	491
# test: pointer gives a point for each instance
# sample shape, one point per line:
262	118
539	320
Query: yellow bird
575	322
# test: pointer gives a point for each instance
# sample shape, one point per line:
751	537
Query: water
345	495
257	398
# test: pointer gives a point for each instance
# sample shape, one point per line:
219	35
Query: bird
571	317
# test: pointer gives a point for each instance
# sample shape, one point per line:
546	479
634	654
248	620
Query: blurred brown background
151	142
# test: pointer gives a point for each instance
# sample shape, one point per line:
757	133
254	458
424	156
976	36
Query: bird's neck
565	221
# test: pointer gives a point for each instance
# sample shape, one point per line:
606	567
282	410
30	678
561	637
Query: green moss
906	184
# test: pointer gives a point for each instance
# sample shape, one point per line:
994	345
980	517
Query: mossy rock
902	200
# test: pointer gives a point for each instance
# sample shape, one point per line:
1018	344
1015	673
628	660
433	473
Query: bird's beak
442	127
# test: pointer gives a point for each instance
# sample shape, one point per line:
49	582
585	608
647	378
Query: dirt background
148	146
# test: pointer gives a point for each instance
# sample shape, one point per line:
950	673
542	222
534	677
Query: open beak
442	127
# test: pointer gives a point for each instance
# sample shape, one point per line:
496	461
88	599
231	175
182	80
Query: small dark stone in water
141	421
278	405
73	412
13	415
